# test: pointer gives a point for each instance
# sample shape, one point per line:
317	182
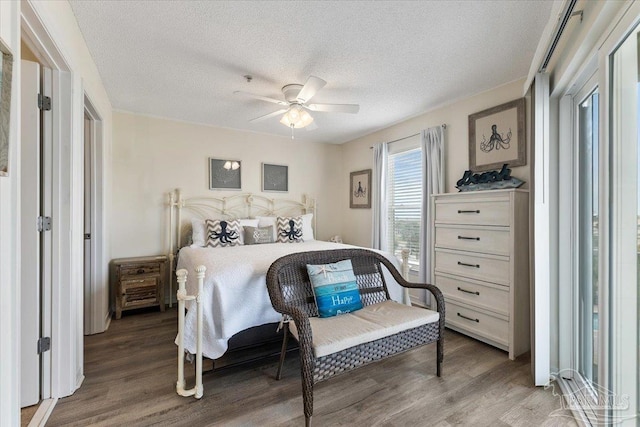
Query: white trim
543	209
43	413
99	304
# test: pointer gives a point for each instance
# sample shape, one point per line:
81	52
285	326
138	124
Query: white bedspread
235	291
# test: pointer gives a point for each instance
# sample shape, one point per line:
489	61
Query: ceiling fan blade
262	98
335	108
311	126
313	85
266	116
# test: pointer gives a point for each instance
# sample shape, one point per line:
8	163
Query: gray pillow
258	235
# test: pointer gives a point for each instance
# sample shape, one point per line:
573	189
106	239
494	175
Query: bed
234	295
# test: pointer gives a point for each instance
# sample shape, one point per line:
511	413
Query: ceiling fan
297	96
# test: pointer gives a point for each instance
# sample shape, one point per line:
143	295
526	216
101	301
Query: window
404	190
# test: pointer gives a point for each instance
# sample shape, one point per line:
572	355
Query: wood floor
131	372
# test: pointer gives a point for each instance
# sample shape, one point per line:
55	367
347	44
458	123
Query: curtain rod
443	126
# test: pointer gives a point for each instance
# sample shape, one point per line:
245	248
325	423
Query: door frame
95	309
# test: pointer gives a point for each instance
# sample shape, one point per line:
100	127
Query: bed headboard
244	205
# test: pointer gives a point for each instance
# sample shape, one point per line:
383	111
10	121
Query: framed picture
360	189
497	136
225	174
6	71
275	178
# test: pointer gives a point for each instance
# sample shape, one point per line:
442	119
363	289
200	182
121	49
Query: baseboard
107	321
43	413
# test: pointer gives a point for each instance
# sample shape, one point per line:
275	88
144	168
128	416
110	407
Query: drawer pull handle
472	211
468	292
469	265
468	238
140	270
469	318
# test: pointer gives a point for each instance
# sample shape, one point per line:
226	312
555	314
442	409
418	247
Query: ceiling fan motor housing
291	92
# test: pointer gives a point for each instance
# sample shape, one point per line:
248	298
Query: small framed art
360	189
225	174
497	136
275	178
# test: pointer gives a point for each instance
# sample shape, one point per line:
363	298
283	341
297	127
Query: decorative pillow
222	233
265	221
289	229
258	235
335	288
198	233
246	222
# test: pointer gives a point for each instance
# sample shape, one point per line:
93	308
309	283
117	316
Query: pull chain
292	126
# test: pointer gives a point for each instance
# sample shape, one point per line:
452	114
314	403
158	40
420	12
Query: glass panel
405	202
588	237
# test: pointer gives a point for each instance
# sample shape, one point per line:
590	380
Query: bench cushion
375	321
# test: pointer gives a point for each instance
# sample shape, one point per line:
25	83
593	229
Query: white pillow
307	227
198	233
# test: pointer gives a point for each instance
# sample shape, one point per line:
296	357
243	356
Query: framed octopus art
497	136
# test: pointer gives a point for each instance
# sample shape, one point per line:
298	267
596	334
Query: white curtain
432	144
380	220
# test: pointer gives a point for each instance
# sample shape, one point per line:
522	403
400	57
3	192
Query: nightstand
138	282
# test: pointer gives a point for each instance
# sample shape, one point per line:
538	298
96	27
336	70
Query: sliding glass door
588	232
624	170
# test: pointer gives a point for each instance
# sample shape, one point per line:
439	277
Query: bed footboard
182	296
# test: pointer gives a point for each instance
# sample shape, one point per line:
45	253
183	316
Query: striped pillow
222	233
335	288
289	229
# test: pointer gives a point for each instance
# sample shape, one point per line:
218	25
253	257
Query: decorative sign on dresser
481	265
138	282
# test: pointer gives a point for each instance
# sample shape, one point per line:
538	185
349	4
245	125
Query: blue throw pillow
335	288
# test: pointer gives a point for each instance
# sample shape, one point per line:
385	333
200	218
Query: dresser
481	265
138	282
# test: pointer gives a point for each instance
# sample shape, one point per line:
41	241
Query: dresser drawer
488	296
142	291
488	268
478	322
473	212
475	239
138	269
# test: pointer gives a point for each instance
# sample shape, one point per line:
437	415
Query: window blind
404	190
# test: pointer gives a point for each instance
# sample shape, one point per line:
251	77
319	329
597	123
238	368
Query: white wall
152	156
9	242
357	155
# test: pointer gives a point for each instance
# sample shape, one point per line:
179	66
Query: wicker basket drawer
484	324
494	240
137	269
487	296
488	268
474	212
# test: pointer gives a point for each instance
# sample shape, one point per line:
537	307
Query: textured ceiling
183	60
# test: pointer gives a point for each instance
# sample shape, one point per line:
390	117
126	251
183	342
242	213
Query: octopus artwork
292	233
360	191
496	141
225	236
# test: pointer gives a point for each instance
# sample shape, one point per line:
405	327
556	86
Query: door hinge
44	102
44	344
44	223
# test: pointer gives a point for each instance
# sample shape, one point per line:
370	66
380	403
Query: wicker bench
291	294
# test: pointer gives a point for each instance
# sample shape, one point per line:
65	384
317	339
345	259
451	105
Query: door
88	203
30	237
36	244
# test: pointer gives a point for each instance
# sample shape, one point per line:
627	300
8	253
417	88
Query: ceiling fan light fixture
297	117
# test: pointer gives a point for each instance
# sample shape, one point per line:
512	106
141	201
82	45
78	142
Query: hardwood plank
131	371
